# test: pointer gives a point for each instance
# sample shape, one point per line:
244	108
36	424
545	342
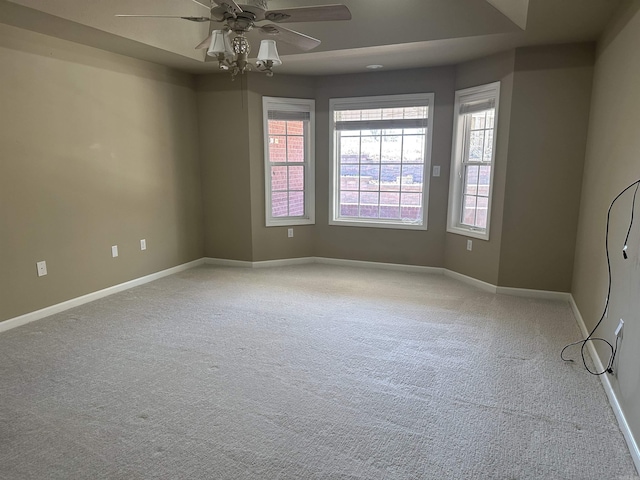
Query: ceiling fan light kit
232	54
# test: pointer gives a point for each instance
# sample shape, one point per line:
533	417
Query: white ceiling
395	33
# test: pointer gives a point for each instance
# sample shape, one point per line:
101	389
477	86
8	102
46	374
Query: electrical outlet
469	245
290	233
42	268
114	251
143	244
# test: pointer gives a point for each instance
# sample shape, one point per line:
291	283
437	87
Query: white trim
225	262
529	293
487	287
90	297
281	262
381	101
382	266
292	105
456	182
606	384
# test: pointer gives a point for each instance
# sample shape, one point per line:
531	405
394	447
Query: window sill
372	224
290	222
468	232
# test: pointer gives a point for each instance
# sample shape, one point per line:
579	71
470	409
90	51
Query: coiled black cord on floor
590	337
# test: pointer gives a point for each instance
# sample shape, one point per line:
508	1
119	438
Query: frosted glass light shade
220	43
268	51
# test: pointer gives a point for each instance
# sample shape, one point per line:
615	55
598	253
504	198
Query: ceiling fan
238	19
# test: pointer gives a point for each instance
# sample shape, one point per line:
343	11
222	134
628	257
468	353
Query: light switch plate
143	244
114	251
436	170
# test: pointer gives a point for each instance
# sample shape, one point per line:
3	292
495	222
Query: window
381	160
472	162
289	162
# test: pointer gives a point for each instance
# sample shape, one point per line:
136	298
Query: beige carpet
306	372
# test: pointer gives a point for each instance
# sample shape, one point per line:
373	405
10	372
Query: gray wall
96	149
612	163
224	151
547	140
379	244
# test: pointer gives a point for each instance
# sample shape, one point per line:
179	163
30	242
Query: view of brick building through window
479	128
286	157
382	170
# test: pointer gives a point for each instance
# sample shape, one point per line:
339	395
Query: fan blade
205	43
191	19
230	5
202	4
320	13
300	40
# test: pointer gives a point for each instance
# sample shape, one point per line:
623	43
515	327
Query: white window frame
291	105
489	93
382	101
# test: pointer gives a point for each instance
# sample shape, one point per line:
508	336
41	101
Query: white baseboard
526	292
223	262
90	297
608	388
379	265
487	287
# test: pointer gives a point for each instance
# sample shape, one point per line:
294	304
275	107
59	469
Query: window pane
295	148
381	167
296	178
369	205
370	148
349	178
369	177
279	204
295	128
277	127
482	212
349	197
350	149
393	113
288	160
469	210
390	178
278	178
389	198
349	204
277	148
477	120
296	204
484	180
476	145
413	149
471	180
412	178
391	149
390	205
491	116
371	114
488	146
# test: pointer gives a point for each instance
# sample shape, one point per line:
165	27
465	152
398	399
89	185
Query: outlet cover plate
42	268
